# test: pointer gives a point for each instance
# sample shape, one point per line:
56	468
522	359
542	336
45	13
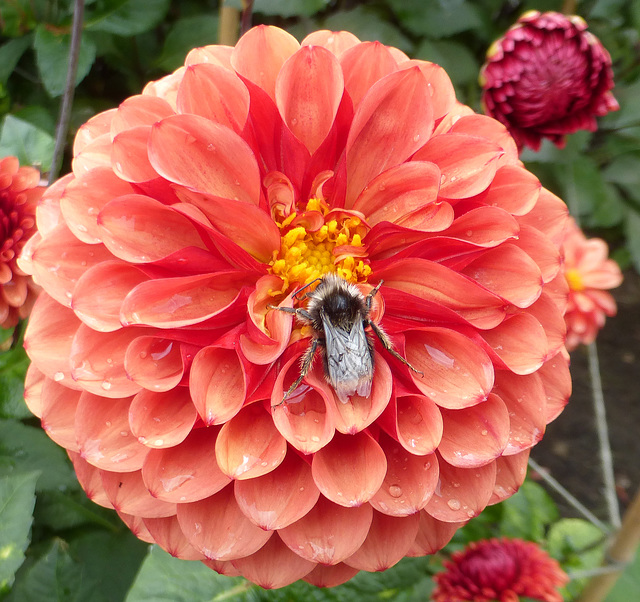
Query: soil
570	448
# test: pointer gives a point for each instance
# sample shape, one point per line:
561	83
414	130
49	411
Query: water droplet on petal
106	385
454	504
395	491
58	376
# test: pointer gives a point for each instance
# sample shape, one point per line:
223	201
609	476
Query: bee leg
371	295
303	313
388	345
305	365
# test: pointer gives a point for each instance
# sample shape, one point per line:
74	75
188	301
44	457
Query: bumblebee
338	314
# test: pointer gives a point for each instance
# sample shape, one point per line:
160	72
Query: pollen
574	278
307	254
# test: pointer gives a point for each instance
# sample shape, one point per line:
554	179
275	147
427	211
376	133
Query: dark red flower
500	570
547	77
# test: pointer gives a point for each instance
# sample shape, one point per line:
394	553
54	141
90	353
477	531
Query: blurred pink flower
500	570
547	77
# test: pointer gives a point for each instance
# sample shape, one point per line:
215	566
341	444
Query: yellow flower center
308	252
574	279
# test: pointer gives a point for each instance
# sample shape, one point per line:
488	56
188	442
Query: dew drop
106	385
454	504
426	465
416	138
315	439
108	423
58	376
197	528
484	432
395	491
301	488
159	442
264	463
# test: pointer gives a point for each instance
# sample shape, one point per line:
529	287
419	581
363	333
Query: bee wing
349	362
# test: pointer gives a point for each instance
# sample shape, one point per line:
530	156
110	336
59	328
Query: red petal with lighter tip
280	497
540	248
418	424
167	533
549	215
90	480
59	407
104	436
513	189
129	156
274	565
33	384
212	159
350	469
97	126
556	380
216	527
249	445
491	129
138	111
154	363
218	384
187	472
137	526
162	419
387	542
329	533
181	301
393	120
127	493
94	155
335	41
484	227
441	90
216	93
510	474
409	482
475	436
463	492
457	373
330	576
432	535
308	114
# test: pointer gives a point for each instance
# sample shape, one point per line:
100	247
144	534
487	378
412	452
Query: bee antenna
306	286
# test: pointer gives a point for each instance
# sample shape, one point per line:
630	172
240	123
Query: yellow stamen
574	278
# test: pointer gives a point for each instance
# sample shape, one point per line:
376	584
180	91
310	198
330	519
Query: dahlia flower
20	191
589	274
195	208
500	570
547	77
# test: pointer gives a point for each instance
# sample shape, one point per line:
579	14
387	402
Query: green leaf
187	33
127	17
632	231
437	19
24	448
290	8
628	98
368	25
17	498
52	58
13	367
527	513
10	54
29	143
17	18
457	60
583	186
628	585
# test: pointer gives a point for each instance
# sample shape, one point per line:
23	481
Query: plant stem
228	25
67	98
247	10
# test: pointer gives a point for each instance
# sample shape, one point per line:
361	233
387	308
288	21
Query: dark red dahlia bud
547	77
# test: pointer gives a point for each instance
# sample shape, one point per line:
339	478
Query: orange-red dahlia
195	208
20	191
589	274
547	77
500	570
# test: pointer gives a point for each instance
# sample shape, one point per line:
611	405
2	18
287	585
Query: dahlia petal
306	113
409	482
399	191
330	576
129	155
166	532
335	41
137	526
547	313
441	90
154	363
97	361
33	384
48	214
94	155
217	383
363	65
59	407
520	343
181	301
222	567
215	54
187	471
60	259
162	419
467	163
508	272
279	498
96	127
525	398
434	282
80	207
457	373
556	381
274	565
14	293
387	542
104	435
549	215
139	110
393	120
100	291
491	129
475	436
213	159
249	445
349	469
90	480
127	493
484	227
260	54
48	339
328	533
541	250
216	93
216	527
513	189
463	492
510	474
418	424
433	535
